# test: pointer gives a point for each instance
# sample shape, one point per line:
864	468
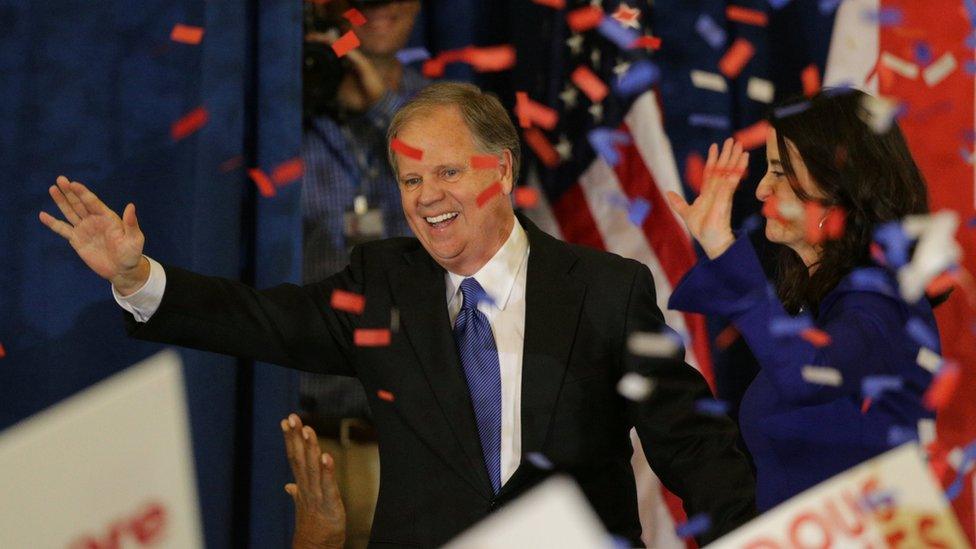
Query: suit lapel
553	301
419	292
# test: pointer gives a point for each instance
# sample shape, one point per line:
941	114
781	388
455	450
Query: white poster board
555	514
889	501
109	467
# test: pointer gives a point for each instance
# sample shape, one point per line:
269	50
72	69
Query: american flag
617	204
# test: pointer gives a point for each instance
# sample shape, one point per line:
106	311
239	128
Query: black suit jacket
580	306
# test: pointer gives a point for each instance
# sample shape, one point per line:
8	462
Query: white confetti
905	68
709	81
650	344
926	432
821	375
939	70
760	90
878	113
956	457
936	251
635	386
928	359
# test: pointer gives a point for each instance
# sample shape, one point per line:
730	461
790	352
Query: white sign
110	467
554	514
889	501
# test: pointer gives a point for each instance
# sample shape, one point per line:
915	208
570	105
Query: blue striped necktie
479	357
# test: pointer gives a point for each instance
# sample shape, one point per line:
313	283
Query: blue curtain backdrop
90	89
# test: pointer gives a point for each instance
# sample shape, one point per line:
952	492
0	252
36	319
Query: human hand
320	517
709	217
111	246
362	87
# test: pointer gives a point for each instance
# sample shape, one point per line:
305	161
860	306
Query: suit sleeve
287	325
695	455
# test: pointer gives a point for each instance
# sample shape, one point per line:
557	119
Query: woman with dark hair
831	328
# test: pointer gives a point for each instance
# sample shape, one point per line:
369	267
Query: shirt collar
497	276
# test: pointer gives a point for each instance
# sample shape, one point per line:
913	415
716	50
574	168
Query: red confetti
541	146
346	43
189	124
355	17
585	18
526	197
736	57
694	170
940	284
865	405
378	337
648	42
491	58
817	338
288	171
348	301
489	193
746	15
727	337
770	209
811	80
265	187
529	111
753	136
385	395
433	68
406	150
877	253
186	34
484	162
555	4
3	352
942	387
590	83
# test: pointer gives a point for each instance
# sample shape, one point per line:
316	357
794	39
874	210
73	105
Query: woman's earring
823	219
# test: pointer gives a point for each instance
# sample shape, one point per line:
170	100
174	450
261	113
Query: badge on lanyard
362	223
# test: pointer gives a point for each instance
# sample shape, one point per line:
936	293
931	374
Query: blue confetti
790	110
639	78
828	6
696	525
751	223
789	325
921	333
604	141
619	542
620	35
871	279
900	434
778	4
970	66
638	211
412	55
539	460
954	489
923	53
874	386
895	242
885	17
617	200
711	407
713	34
715	121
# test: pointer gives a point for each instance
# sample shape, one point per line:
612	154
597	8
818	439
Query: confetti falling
526	197
186	34
712	407
288	171
810	77
589	83
821	375
261	179
761	90
694	526
539	460
651	344
584	19
531	112
409	56
710	31
694	170
541	146
647	42
638	210
355	17
638	79
928	359
709	81
484	162
943	387
385	395
817	338
736	58
406	150
635	387
726	337
605	142
753	136
746	16
3	352
495	189
372	337
873	387
554	4
189	124
347	301
346	43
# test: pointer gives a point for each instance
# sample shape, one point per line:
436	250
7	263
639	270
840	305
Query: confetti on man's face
439	193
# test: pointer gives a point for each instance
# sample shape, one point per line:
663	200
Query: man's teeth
442	217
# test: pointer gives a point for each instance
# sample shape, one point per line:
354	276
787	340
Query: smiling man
510	342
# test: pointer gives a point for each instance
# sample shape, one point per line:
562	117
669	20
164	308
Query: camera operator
350	196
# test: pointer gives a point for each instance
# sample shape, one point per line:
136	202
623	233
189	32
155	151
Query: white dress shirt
503	279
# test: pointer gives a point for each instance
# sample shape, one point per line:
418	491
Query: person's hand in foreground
111	246
320	517
709	217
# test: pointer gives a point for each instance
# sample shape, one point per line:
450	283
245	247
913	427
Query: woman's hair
870	175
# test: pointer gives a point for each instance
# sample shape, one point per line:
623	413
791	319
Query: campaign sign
889	501
110	467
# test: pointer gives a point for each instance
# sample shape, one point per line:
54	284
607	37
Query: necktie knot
473	293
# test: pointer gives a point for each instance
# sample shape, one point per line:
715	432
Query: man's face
439	192
387	27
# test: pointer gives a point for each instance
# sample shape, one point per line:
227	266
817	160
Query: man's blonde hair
485	116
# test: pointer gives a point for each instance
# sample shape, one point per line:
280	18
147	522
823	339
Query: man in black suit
538	344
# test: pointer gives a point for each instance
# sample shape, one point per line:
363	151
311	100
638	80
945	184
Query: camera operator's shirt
345	157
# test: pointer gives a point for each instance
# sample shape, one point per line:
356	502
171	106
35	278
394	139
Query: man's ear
505	174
